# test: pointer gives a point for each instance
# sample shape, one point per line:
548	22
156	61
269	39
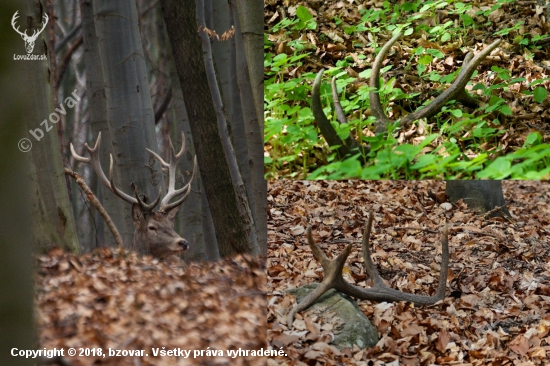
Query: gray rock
351	326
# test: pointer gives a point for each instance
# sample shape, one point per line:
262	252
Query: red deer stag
350	146
379	291
154	233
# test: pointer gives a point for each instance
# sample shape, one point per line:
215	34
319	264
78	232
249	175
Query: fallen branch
95	202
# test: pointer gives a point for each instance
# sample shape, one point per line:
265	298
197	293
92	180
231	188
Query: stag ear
137	214
171	213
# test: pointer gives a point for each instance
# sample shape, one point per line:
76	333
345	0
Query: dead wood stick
95	202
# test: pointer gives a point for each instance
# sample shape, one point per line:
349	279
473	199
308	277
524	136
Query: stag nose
183	244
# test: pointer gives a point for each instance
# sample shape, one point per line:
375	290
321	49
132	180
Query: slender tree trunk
129	109
95	90
251	20
244	202
190	214
254	138
234	87
231	226
188	221
51	207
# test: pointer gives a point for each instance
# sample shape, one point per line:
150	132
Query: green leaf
303	13
505	110
435	53
534	138
499	169
540	94
425	59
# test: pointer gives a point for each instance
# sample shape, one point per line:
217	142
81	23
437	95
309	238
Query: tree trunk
95	89
251	22
129	109
181	24
51	207
254	137
16	260
480	195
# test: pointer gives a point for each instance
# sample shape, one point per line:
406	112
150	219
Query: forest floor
106	300
342	37
496	310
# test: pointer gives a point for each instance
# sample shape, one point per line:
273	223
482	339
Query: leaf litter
111	299
497	305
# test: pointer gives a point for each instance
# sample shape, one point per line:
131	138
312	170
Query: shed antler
379	291
455	91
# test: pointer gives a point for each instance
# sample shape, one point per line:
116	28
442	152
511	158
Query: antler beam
379	291
455	91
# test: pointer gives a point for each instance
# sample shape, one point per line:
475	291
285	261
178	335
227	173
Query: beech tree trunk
130	112
95	89
231	226
481	195
52	209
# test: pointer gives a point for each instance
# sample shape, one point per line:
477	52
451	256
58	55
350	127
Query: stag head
154	230
29	40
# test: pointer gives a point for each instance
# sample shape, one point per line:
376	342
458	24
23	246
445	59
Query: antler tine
93	160
340	115
370	268
146	207
332	278
172	192
375	105
454	90
172	166
182	149
327	130
165	206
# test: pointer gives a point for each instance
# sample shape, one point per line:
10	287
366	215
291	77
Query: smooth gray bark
97	107
244	205
254	139
51	205
251	22
129	109
480	195
238	101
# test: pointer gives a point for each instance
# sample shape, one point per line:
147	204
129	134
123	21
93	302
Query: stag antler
172	192
379	291
455	91
93	160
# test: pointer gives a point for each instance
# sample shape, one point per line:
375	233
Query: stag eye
152	228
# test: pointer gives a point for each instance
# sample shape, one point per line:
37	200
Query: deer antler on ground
379	291
455	91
